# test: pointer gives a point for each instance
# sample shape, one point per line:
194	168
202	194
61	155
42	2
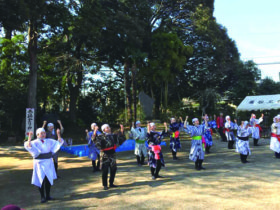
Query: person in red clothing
221	124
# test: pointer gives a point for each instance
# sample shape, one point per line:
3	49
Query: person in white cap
229	128
155	155
139	134
52	135
94	153
42	150
275	136
175	143
255	123
242	140
196	132
107	142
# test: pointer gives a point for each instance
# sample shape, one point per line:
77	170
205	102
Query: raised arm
30	134
93	137
186	122
44	124
235	124
58	133
181	119
165	126
148	128
121	137
87	137
61	126
206	120
260	119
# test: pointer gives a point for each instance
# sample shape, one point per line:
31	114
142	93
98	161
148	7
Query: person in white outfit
242	141
275	136
255	123
140	135
229	128
42	149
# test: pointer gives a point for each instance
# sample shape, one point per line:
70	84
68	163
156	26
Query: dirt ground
225	184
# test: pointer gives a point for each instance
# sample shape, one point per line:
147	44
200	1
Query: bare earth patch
225	184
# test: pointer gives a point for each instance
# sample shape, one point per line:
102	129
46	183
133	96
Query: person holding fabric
42	150
221	124
155	155
196	132
94	153
275	136
229	131
107	142
255	123
174	128
242	141
139	134
52	135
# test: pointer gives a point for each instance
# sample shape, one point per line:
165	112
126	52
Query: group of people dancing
102	146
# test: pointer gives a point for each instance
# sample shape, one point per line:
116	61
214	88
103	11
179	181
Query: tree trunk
8	69
32	52
165	96
134	92
74	82
74	91
8	33
127	84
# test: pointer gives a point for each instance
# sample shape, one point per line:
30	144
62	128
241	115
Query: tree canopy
89	59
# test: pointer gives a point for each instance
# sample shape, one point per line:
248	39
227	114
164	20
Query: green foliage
268	86
13	83
169	49
244	81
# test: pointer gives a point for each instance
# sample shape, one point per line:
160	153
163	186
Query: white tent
262	102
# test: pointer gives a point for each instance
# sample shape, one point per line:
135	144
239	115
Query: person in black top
107	142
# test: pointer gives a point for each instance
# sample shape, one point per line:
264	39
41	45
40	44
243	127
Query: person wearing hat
155	156
94	153
139	134
275	136
107	142
196	132
242	140
52	135
255	123
42	150
175	143
229	128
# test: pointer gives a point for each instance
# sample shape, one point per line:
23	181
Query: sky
254	25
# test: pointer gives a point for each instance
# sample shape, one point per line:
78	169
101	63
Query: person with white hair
107	143
242	140
139	134
275	136
94	153
175	143
229	131
42	150
255	123
196	132
155	155
52	135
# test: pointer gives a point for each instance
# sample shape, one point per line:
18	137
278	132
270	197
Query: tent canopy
261	102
